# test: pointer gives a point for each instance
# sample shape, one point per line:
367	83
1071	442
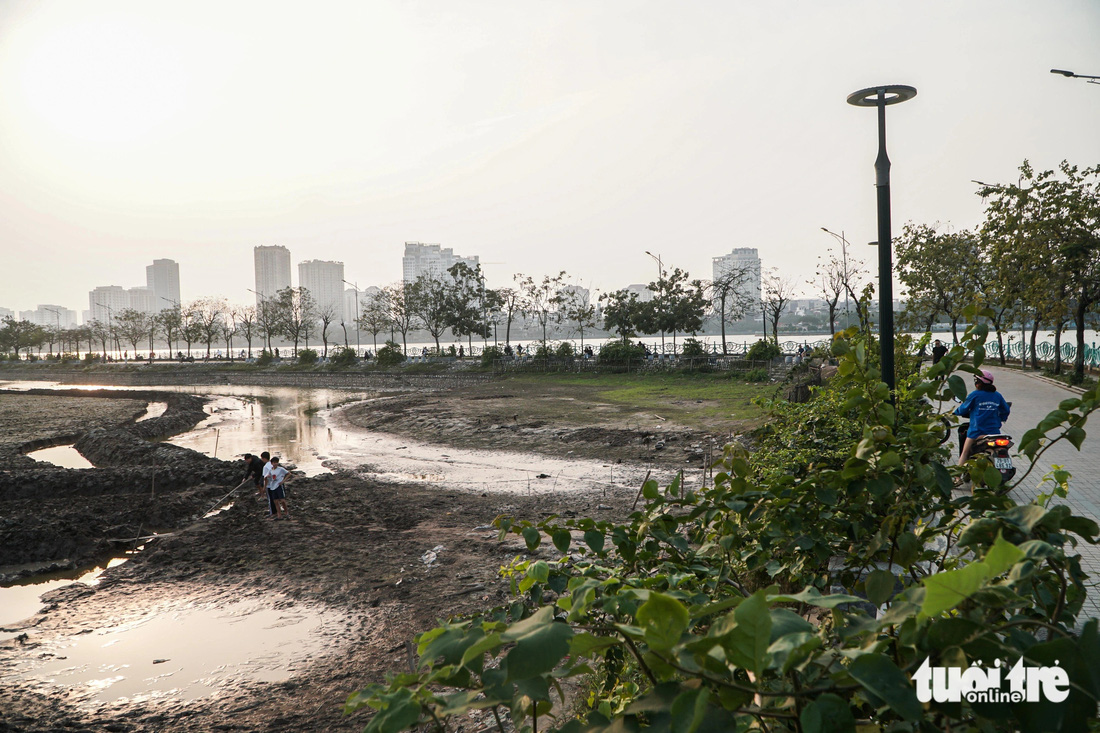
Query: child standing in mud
276	490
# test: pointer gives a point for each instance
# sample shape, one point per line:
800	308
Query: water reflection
186	650
64	456
20	600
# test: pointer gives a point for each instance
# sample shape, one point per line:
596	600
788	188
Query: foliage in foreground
687	618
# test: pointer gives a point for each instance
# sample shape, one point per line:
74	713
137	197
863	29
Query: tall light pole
1071	75
57	315
880	97
844	259
354	285
660	277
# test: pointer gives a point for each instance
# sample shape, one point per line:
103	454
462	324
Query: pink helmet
984	376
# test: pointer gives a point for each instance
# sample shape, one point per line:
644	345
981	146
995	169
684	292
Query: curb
1054	382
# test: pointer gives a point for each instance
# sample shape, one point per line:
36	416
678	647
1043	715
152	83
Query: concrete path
1032	399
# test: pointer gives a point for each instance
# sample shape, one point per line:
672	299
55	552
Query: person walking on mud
276	489
254	469
266	457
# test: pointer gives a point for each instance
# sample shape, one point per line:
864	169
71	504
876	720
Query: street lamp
880	97
660	277
356	286
1071	75
844	259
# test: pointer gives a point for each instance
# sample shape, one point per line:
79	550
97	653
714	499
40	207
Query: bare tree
268	318
245	316
296	311
778	292
542	300
730	296
208	313
132	326
578	309
511	305
326	314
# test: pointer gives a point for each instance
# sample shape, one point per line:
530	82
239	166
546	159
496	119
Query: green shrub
307	356
621	352
490	355
344	358
755	375
390	355
762	350
265	358
694	347
565	350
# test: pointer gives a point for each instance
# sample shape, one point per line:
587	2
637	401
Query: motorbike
996	448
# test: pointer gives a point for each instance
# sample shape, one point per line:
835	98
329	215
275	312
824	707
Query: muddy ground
353	545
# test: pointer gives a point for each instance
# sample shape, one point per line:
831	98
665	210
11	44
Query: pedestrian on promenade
938	351
276	489
986	409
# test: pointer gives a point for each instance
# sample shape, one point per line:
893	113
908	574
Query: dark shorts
277	492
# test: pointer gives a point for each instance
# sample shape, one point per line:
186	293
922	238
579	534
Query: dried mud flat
354	548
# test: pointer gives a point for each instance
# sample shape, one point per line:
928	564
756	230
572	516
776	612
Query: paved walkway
1032	399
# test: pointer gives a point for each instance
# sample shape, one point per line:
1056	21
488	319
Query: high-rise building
163	278
107	301
643	292
351	310
747	259
6	313
325	282
272	270
422	259
52	316
145	300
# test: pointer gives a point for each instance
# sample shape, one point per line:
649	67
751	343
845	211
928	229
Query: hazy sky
540	136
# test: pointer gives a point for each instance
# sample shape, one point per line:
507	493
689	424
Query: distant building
741	257
145	300
325	282
272	270
643	292
53	316
163	278
107	301
6	313
422	259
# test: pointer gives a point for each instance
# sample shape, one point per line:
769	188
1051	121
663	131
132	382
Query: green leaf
532	537
957	385
991	477
879	586
539	571
594	539
492	641
664	619
944	591
909	549
747	642
582	645
398	711
1002	556
650	490
540	644
688	710
880	676
828	713
1076	436
561	540
813	597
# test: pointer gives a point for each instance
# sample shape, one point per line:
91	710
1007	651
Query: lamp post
356	286
660	277
844	259
880	97
1071	75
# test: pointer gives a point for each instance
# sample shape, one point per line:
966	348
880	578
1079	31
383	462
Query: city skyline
568	136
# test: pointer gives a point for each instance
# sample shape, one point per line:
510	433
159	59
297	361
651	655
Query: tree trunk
1058	349
1034	334
1079	358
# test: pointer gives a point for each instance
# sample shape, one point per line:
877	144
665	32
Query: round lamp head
893	94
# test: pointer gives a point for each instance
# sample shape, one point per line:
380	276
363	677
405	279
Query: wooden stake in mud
217	437
640	490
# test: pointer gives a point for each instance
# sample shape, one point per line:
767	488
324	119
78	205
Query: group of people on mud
269	479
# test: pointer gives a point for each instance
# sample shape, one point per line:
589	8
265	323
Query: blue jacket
986	410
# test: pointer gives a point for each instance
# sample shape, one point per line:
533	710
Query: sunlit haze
538	136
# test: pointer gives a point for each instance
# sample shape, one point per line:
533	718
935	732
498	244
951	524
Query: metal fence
652	364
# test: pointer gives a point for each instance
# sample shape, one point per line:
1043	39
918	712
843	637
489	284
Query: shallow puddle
185	651
64	456
20	600
155	409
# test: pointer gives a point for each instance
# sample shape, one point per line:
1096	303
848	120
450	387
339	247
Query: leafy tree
731	298
228	328
326	314
171	322
269	319
940	270
620	313
207	314
297	310
374	314
133	325
402	309
511	306
192	329
430	298
578	309
542	300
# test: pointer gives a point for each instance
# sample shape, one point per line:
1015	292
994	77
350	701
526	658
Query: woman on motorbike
986	409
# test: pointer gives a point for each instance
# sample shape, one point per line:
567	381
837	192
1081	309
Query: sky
539	136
